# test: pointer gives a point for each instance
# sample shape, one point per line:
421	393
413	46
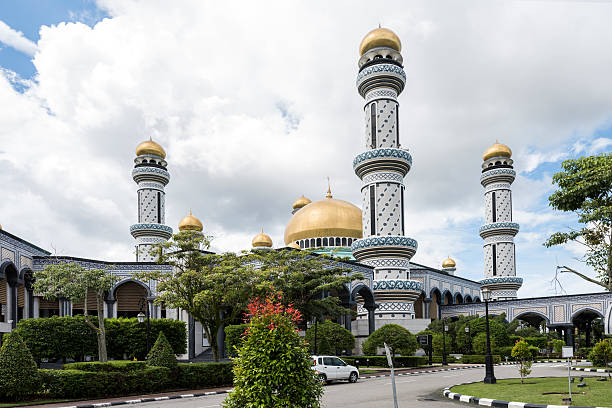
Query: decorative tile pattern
8	254
499	225
382	177
595	306
388	205
380	93
381	68
504	205
496	172
381	154
385	124
559	313
384	241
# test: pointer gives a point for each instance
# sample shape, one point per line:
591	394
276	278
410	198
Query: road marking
401	382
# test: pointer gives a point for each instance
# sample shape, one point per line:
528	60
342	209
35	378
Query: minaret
382	168
498	231
151	175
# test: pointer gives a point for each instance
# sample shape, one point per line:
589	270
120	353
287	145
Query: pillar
426	311
371	319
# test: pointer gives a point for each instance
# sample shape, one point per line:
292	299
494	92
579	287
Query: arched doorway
458	298
131	297
589	325
447	298
468	299
434	306
418	306
363	296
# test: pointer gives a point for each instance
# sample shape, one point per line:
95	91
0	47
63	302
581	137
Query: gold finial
190	211
329	194
379	25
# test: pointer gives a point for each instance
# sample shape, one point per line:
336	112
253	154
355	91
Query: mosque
370	239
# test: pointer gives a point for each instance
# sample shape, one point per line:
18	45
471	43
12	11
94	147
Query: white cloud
256	105
16	39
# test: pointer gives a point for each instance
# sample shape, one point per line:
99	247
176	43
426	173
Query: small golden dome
190	223
328	217
449	263
380	37
150	147
301	202
294	245
0	226
262	240
497	150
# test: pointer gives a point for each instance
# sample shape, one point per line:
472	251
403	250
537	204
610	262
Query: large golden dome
449	263
190	223
301	202
150	147
497	150
325	218
380	37
262	240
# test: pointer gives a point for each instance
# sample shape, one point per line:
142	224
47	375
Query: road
419	390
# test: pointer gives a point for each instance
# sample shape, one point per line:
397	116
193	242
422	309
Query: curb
560	361
488	402
592	370
141	400
430	371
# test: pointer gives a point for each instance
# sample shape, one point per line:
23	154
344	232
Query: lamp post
489	374
467	331
144	305
444	330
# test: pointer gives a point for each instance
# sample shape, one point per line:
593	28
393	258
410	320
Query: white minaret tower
382	168
151	175
498	231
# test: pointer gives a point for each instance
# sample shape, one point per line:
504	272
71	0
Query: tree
556	345
399	340
601	354
332	338
479	343
214	289
74	282
18	372
161	354
521	351
304	279
233	338
274	368
585	188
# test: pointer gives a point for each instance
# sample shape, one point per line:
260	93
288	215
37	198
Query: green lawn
583	366
534	391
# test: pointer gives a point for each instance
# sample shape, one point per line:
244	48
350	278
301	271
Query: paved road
422	390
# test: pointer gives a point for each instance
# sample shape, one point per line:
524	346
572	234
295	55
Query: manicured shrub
601	354
538	342
115	365
198	375
381	361
161	354
332	338
556	345
18	371
399	340
478	359
273	367
233	338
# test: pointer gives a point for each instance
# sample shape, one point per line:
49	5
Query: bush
538	342
601	354
399	340
95	384
198	375
70	337
18	371
505	351
116	365
233	338
381	361
161	354
478	359
523	352
332	338
556	346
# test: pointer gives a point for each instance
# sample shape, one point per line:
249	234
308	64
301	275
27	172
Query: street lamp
144	306
467	331
445	329
489	374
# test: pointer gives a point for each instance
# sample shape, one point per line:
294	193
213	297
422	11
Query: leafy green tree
585	188
601	354
399	340
274	368
332	335
161	354
521	351
18	372
74	282
214	289
557	345
479	343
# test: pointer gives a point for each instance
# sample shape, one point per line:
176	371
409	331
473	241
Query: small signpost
568	352
425	340
390	361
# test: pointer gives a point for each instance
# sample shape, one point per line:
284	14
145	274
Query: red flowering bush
273	368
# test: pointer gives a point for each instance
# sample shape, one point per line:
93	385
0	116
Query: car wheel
353	377
323	379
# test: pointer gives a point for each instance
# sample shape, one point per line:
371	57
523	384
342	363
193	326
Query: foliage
585	188
161	354
113	365
479	343
273	368
528	332
18	371
601	354
73	281
381	361
336	337
538	342
478	358
69	337
521	351
233	338
460	341
199	375
399	340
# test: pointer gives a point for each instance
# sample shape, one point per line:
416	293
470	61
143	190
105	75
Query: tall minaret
498	231
382	168
151	175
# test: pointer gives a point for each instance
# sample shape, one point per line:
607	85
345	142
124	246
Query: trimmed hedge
381	361
70	337
117	365
197	375
478	359
233	338
95	384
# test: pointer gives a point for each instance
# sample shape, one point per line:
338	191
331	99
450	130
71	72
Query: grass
584	366
534	391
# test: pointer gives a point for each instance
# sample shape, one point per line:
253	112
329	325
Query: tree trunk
102	356
214	345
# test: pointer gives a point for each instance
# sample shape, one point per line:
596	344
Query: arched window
325	243
343	241
338	242
318	242
307	243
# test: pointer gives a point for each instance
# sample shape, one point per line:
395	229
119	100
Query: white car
331	368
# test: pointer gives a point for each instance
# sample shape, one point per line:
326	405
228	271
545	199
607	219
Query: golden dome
301	202
262	240
150	147
497	150
294	245
380	37
325	218
190	223
449	263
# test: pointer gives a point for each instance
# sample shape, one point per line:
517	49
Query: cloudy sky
255	104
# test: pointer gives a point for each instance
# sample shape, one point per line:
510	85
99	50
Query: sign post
390	361
425	340
568	352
